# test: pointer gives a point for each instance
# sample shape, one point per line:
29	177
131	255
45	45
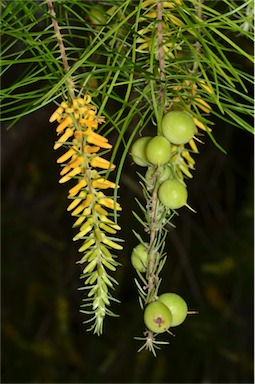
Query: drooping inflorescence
84	165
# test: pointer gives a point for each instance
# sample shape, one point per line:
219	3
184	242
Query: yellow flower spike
68	133
103	184
87	244
66	155
109	203
193	145
70	175
73	191
56	114
99	162
111	243
203	105
68	121
108	229
100	210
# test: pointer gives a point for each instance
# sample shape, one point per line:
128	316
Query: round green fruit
139	258
138	151
176	305
158	150
157	317
172	194
178	127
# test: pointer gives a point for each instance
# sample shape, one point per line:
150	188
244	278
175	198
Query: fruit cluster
162	153
170	310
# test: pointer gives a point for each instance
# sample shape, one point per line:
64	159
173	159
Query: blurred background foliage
210	264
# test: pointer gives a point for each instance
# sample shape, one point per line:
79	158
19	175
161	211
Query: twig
198	46
61	46
160	49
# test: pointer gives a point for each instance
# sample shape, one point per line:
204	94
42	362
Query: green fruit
178	127
139	258
172	194
158	150
176	305
138	151
157	317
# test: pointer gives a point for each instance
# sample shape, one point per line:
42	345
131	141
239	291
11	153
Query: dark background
210	264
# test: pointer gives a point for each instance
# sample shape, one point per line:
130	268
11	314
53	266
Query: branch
61	46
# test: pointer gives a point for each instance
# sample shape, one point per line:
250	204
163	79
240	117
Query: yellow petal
87	244
193	145
107	228
66	155
99	162
71	174
112	244
101	144
73	164
203	105
68	133
90	148
67	121
100	210
56	114
73	191
103	184
109	203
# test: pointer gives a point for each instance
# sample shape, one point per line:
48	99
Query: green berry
138	151
158	150
178	127
157	317
172	194
139	258
176	305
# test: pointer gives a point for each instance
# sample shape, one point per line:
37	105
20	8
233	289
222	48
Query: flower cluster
186	95
146	39
81	162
